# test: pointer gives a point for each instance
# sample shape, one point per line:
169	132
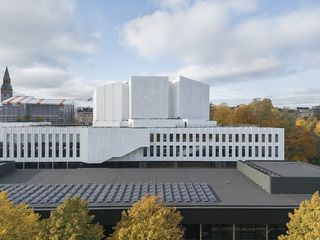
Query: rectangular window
210	137
237	151
15	146
256	138
190	137
230	137
184	137
243	137
50	145
250	151
158	137
177	151
184	151
164	136
269	138
78	146
243	152
43	145
64	145
36	146
71	145
164	151
203	137
158	151
8	145
263	151
190	151
263	137
237	137
223	138
22	145
256	151
197	138
145	151
171	137
177	137
197	151
204	151
217	151
29	145
230	151
276	136
171	151
217	137
151	137
250	137
276	151
210	151
151	151
269	151
57	145
1	149
223	151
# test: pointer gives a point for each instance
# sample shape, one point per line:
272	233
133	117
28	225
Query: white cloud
228	40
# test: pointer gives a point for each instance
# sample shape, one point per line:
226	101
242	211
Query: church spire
6	74
6	88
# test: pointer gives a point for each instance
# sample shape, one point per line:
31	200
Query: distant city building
6	88
84	116
315	111
26	109
303	112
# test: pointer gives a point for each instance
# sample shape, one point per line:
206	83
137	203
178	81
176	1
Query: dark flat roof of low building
229	186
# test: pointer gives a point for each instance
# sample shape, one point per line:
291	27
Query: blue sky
244	49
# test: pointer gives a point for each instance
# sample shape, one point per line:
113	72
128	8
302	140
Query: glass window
171	137
230	137
8	145
210	137
269	138
164	151
217	151
204	151
263	153
158	151
78	145
1	149
197	151
15	145
22	145
223	137
250	151
250	137
177	137
190	137
251	232
151	151
184	151
230	151
177	151
256	151
197	137
263	137
184	137
276	151
219	231
203	137
29	145
50	145
43	145
36	146
223	151
151	137
210	151
256	138
237	137
269	151
164	136
243	137
276	136
171	151
190	151
145	151
64	145
217	137
158	137
243	152
237	151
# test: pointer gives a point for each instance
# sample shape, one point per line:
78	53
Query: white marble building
145	119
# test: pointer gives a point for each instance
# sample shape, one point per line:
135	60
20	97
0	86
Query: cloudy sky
244	49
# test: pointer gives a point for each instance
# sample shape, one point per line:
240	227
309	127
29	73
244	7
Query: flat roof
289	168
231	188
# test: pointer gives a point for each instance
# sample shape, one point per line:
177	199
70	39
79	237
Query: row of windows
50	145
190	137
218	151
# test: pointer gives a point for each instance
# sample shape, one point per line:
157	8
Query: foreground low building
250	201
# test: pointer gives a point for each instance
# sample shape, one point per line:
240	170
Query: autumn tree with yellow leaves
18	221
149	219
305	221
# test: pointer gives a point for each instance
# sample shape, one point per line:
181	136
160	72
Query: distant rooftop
16	100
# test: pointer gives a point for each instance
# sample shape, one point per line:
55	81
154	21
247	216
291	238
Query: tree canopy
305	221
149	219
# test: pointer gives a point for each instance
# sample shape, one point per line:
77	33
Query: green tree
305	221
71	220
149	219
18	222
